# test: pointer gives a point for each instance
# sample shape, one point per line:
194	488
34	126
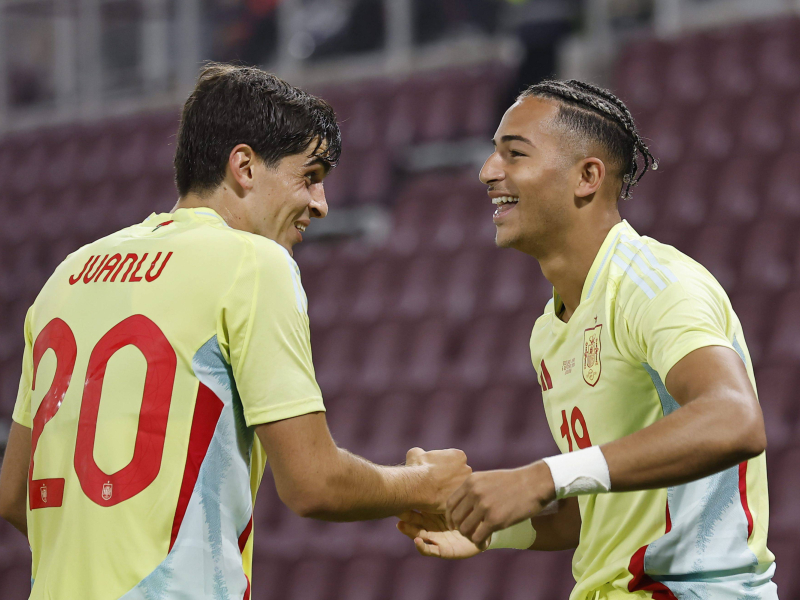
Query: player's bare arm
317	479
14	477
719	425
557	528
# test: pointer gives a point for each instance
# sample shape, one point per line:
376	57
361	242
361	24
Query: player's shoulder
547	314
644	269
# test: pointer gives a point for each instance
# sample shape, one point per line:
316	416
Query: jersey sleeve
683	317
22	408
265	333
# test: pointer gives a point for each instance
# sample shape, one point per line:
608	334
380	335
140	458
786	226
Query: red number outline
102	488
58	337
109	489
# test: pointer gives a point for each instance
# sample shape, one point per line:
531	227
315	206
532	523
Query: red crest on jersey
43	491
107	490
591	355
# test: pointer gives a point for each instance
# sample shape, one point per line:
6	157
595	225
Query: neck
219	202
567	262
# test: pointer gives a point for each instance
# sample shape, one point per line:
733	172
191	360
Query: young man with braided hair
647	382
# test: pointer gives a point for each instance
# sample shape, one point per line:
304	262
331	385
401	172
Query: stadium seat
420	578
490	415
715	247
311	580
763	125
420	288
685	75
777	54
426	358
668	134
374	292
767	262
365	578
537	575
732	66
712	132
784	346
738	190
463	285
476	359
782	197
329	294
529	437
639	74
382	351
346	415
753	310
335	359
787	554
477	578
514	362
687	202
390	427
784	488
777	394
438	418
269	577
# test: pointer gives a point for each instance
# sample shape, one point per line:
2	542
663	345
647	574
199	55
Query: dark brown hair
233	105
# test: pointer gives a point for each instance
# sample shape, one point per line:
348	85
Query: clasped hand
486	502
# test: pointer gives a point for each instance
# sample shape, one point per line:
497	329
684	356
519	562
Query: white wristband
520	536
581	472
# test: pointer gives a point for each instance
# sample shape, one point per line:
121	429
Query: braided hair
599	114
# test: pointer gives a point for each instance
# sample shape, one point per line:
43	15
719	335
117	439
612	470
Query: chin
503	240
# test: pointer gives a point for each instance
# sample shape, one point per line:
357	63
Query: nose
318	205
492	170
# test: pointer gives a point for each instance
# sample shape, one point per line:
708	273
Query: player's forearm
558	529
14	477
703	437
354	489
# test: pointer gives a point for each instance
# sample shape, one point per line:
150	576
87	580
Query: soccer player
164	363
646	380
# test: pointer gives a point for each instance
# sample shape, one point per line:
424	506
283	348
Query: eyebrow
513	138
316	160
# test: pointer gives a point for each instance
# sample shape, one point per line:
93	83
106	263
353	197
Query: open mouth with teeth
504	204
300	227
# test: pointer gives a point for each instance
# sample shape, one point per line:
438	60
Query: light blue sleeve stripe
632	274
654	277
649	255
603	262
299	293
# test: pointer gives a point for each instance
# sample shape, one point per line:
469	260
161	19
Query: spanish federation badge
591	355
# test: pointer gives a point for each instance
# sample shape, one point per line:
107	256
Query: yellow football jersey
644	306
149	357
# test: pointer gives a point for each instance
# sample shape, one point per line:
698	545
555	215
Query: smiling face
285	197
531	176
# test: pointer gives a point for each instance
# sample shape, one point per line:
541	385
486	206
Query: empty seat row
734	61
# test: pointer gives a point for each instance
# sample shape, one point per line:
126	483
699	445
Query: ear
241	164
591	174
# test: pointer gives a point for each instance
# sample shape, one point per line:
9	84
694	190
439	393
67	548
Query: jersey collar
189	214
601	261
603	258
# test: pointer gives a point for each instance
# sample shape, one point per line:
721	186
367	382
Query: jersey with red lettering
645	306
149	357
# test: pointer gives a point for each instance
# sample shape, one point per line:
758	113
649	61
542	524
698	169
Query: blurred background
419	324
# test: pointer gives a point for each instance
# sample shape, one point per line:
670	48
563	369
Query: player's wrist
416	483
540	482
579	473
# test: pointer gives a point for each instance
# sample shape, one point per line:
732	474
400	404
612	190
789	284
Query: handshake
465	508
